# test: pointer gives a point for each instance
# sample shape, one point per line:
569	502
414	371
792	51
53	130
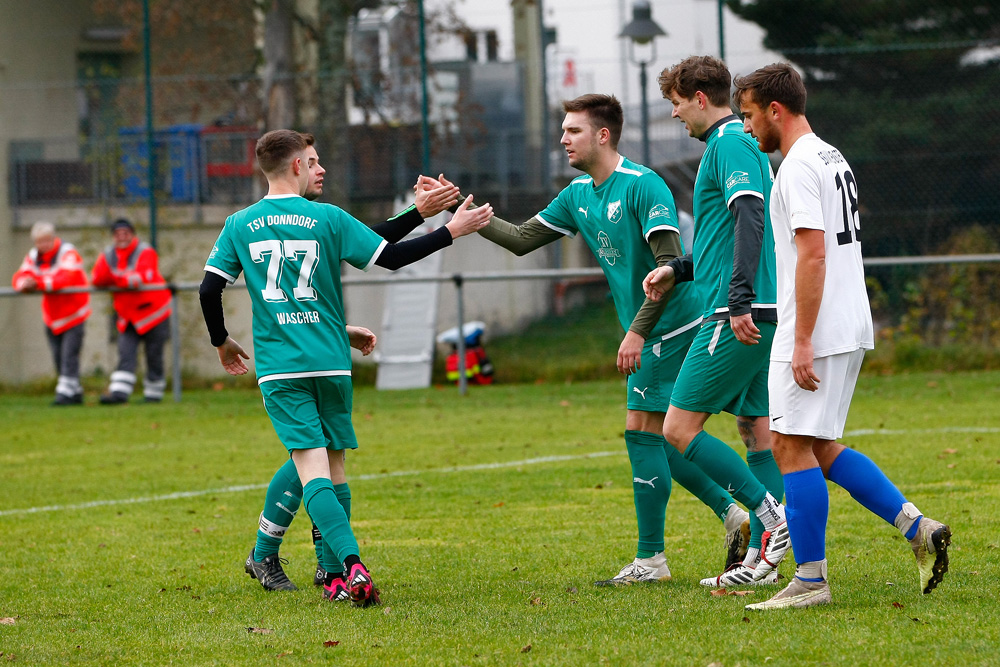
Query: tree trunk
331	125
278	82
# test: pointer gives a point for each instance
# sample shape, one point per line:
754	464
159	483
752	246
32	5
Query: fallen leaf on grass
260	631
951	451
330	643
283	655
7	621
499	504
897	605
564	404
536	602
525	649
722	592
746	620
571	589
951	465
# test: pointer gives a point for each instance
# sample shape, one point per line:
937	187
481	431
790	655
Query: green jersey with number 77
290	250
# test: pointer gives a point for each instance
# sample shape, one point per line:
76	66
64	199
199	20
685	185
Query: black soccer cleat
269	573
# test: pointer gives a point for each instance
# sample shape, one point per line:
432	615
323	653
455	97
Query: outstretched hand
432	196
230	354
660	281
468	220
362	339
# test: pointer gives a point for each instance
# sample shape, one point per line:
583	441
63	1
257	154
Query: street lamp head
642	29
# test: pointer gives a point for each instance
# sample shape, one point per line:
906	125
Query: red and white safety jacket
136	265
59	268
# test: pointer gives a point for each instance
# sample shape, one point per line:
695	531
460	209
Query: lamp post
642	29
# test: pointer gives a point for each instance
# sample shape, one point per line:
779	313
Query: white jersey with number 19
815	189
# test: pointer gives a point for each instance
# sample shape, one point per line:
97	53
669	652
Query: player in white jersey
824	328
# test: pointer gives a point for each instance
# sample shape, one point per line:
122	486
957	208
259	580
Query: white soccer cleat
797	595
737	524
738	575
774	544
930	546
641	570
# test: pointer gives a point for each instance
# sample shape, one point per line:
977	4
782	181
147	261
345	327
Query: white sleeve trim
375	256
740	193
219	272
553	227
661	228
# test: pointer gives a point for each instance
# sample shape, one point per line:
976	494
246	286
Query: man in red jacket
49	267
142	315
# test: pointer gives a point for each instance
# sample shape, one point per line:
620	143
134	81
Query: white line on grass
451	469
257	487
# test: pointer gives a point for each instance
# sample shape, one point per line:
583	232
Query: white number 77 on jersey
278	252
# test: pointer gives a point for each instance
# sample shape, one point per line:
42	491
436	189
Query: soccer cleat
796	595
930	546
641	570
269	573
336	590
361	587
737	575
320	577
737	540
774	544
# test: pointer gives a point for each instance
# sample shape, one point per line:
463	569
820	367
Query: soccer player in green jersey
290	250
626	216
284	492
732	264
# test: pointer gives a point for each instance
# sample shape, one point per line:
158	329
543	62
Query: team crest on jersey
659	211
606	252
737	178
615	211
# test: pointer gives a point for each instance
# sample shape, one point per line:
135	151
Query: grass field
485	520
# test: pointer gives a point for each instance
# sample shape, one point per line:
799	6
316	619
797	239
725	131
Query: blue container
178	153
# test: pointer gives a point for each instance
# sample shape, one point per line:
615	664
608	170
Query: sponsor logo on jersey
659	211
606	252
615	211
737	178
584	211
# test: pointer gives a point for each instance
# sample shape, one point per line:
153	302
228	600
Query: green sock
284	495
343	492
701	486
321	503
726	468
650	487
764	468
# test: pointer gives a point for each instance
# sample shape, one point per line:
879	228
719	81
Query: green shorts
721	374
308	413
649	387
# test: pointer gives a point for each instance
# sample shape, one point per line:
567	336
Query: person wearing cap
49	267
143	314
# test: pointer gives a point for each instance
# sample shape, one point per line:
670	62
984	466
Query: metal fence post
175	344
463	384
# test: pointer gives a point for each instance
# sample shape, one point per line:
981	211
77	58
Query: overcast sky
588	38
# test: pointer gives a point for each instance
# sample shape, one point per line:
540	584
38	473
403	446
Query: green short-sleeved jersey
730	167
615	219
290	250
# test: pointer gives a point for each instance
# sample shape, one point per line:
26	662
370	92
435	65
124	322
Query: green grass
484	566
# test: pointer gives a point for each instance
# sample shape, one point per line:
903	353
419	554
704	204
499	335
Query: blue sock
858	475
807	506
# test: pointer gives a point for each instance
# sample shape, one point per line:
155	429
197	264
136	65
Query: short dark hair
277	147
775	83
603	110
705	73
